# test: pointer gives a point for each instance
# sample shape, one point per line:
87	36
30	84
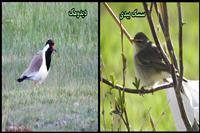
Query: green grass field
110	47
68	99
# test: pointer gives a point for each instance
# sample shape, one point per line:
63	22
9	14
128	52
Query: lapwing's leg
35	85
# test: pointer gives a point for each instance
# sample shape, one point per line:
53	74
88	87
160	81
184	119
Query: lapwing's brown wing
34	66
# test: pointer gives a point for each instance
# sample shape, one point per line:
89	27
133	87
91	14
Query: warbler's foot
141	93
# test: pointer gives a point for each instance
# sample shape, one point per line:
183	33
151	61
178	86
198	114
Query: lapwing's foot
35	85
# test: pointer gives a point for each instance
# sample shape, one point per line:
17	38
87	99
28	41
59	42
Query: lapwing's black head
49	51
51	44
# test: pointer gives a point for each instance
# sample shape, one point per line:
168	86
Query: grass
68	99
137	106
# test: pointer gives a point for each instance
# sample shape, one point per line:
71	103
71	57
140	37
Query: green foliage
111	55
136	83
69	94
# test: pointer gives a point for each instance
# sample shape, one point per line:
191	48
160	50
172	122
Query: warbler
149	65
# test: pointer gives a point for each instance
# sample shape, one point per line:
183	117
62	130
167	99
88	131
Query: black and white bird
40	64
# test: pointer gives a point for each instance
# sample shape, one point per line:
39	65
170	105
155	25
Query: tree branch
152	27
124	80
117	21
137	91
167	34
180	86
180	43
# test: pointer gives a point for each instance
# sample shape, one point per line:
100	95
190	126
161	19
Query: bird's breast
146	74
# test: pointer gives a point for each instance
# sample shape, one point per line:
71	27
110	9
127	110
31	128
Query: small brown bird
149	65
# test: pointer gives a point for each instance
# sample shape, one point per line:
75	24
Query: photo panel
50	66
136	84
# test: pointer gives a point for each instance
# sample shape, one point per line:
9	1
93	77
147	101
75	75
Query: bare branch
180	43
180	86
151	7
124	80
152	27
173	73
117	21
145	119
167	35
165	28
160	19
137	91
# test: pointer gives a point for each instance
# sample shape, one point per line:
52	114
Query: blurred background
68	99
110	52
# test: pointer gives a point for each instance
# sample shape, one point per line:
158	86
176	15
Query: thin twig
179	87
151	7
117	21
120	95
167	35
137	91
103	96
173	73
124	80
152	27
103	113
123	58
145	119
123	119
152	122
160	18
180	43
162	114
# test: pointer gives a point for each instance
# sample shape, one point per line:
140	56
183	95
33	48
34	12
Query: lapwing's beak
54	48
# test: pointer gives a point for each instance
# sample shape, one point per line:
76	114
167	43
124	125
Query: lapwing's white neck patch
45	48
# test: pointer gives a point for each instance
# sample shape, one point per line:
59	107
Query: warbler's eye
139	41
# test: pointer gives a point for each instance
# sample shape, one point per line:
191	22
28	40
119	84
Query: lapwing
39	67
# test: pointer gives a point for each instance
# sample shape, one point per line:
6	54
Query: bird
150	68
148	61
39	66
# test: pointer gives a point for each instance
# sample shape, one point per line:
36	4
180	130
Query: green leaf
152	123
136	83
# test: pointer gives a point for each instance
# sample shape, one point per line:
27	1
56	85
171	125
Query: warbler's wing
151	57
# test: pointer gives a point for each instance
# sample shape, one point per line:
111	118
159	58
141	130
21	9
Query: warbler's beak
132	40
135	40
